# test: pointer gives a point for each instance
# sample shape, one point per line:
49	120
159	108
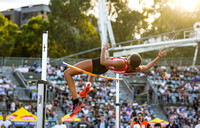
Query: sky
7	4
134	4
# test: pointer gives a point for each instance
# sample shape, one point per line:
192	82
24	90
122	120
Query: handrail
127	84
21	78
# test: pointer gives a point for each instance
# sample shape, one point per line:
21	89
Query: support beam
111	35
150	47
102	22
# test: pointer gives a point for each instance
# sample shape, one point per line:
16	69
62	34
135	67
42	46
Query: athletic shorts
97	67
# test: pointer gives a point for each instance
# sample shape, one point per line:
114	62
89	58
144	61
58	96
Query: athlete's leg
69	73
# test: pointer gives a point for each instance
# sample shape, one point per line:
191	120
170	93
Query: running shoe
85	90
76	108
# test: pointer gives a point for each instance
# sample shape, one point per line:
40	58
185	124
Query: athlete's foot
85	90
76	108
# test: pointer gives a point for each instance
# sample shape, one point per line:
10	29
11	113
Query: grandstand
170	88
175	91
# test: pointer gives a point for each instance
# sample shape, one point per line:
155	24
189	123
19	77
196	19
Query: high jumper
101	65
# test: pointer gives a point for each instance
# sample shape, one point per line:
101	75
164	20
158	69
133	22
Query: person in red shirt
139	122
101	65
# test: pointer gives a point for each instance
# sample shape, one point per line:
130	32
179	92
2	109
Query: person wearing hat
198	125
139	122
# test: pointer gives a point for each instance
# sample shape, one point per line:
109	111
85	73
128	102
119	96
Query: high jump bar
89	73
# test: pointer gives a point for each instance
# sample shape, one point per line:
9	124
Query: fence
9	61
28	94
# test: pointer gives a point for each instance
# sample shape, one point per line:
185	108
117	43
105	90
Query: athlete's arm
107	62
151	64
90	79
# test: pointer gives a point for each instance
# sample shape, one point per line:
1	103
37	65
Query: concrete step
59	112
158	111
125	93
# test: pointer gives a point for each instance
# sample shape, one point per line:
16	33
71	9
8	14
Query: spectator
157	125
83	123
198	125
172	123
60	125
25	63
4	123
102	123
139	121
150	95
130	123
49	106
12	109
35	63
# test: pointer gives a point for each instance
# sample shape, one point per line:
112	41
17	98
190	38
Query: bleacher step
158	111
59	113
125	93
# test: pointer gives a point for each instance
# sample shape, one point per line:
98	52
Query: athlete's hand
161	53
106	46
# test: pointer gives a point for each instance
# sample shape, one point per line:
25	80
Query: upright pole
117	102
44	55
41	99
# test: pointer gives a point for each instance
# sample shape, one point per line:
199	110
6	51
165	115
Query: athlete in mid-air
101	65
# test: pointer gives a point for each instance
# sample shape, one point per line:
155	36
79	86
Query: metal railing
29	94
173	61
9	61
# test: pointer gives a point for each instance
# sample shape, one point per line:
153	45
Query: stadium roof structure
192	40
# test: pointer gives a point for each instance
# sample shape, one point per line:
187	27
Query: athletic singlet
123	71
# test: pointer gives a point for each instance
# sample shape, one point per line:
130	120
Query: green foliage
128	22
29	43
8	33
71	28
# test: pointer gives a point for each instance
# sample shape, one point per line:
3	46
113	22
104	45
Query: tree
128	22
8	33
29	42
71	28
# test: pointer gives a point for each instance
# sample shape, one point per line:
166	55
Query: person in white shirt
60	125
49	106
4	123
12	109
198	125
